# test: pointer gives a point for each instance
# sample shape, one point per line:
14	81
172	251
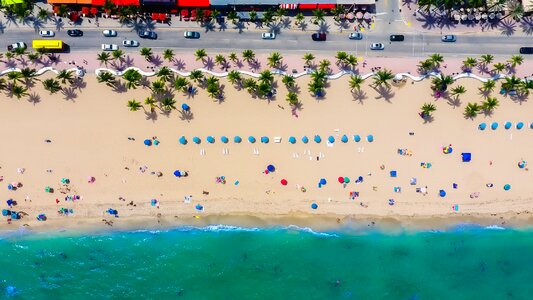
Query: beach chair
277	139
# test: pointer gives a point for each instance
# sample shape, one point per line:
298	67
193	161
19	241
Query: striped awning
288	6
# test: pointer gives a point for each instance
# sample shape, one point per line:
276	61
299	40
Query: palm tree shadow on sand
186	115
385	93
507	27
69	93
150	115
120	87
359	95
453	101
34	98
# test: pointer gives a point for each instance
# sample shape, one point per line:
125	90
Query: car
355	36
318	37
130	43
526	50
148	35
47	33
397	38
448	38
191	34
109	47
74	32
110	33
17	45
377	46
268	36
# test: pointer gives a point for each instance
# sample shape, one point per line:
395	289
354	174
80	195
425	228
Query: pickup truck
17	45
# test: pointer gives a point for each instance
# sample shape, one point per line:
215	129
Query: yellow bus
48	44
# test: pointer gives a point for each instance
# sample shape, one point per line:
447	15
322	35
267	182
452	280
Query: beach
91	135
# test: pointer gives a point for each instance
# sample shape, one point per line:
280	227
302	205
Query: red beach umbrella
94	10
284	182
341	179
85	10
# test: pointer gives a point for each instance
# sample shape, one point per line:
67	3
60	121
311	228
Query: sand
90	133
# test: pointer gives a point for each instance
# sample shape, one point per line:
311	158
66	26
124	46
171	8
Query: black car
397	38
148	35
318	36
526	50
74	32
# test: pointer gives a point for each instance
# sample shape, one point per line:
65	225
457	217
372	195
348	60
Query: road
417	45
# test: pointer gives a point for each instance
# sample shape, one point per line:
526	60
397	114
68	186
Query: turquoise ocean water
222	262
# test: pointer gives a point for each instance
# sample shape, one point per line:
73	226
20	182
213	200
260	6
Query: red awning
94	10
126	2
85	10
288	6
162	17
326	6
154	16
98	2
307	6
193	3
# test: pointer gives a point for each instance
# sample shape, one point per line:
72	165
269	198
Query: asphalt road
414	45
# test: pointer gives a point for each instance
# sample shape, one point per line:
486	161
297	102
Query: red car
318	36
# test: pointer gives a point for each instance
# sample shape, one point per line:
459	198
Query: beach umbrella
271	168
185	107
177	173
6	212
183	140
344	139
90	179
357	138
148	142
370	138
522	164
196	140
482	126
10	187
199	207
251	139
292	140
264	139
508	125
305	139
346	179
224	139
314	206
494	125
237	139
9	202
519	125
317	139
323	181
507	187
284	182
531	125
340	179
442	193
331	139
210	139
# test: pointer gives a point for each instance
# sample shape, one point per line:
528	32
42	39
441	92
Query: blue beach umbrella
177	173
314	206
185	107
148	142
196	140
199	207
10	187
370	138
264	139
317	139
323	181
224	139
519	125
292	140
271	168
251	139
531	125
442	193
482	126
210	139
237	139
344	139
357	138
305	139
183	140
494	125
507	187
331	139
508	125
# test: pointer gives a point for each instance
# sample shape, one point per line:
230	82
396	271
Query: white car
47	33
355	36
17	45
109	47
130	43
110	33
268	36
377	46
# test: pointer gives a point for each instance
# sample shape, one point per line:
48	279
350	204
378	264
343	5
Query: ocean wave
309	230
494	227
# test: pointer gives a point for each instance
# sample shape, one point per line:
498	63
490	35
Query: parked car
449	38
397	38
109	47
17	45
526	50
148	35
110	33
191	34
268	36
355	36
47	33
74	32
130	43
318	36
377	46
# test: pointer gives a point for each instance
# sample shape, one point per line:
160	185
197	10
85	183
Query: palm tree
515	10
196	75
158	87
469	63
233	57
337	11
220	60
248	55
51	85
289	81
266	76
280	13
150	101
33	57
19	51
211	80
19	91
516	60
308	58
232	16
268	17
355	82
28	74
234	77
323	65
425	65
499	67
527	85
14	76
318	15
441	83
3	84
489	86
382	77
253	16
471	110
511	83
341	57
319	76
436	59
275	59
427	109
132	77
250	85
263	89
200	54
165	74
104	58
168	54
292	98
316	87
43	14
299	18
351	60
147	53
181	83
134	105
168	104
490	104
458	90
118	54
65	76
213	90
487	59
106	77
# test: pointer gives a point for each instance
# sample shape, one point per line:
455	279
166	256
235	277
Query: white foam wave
309	230
494	227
